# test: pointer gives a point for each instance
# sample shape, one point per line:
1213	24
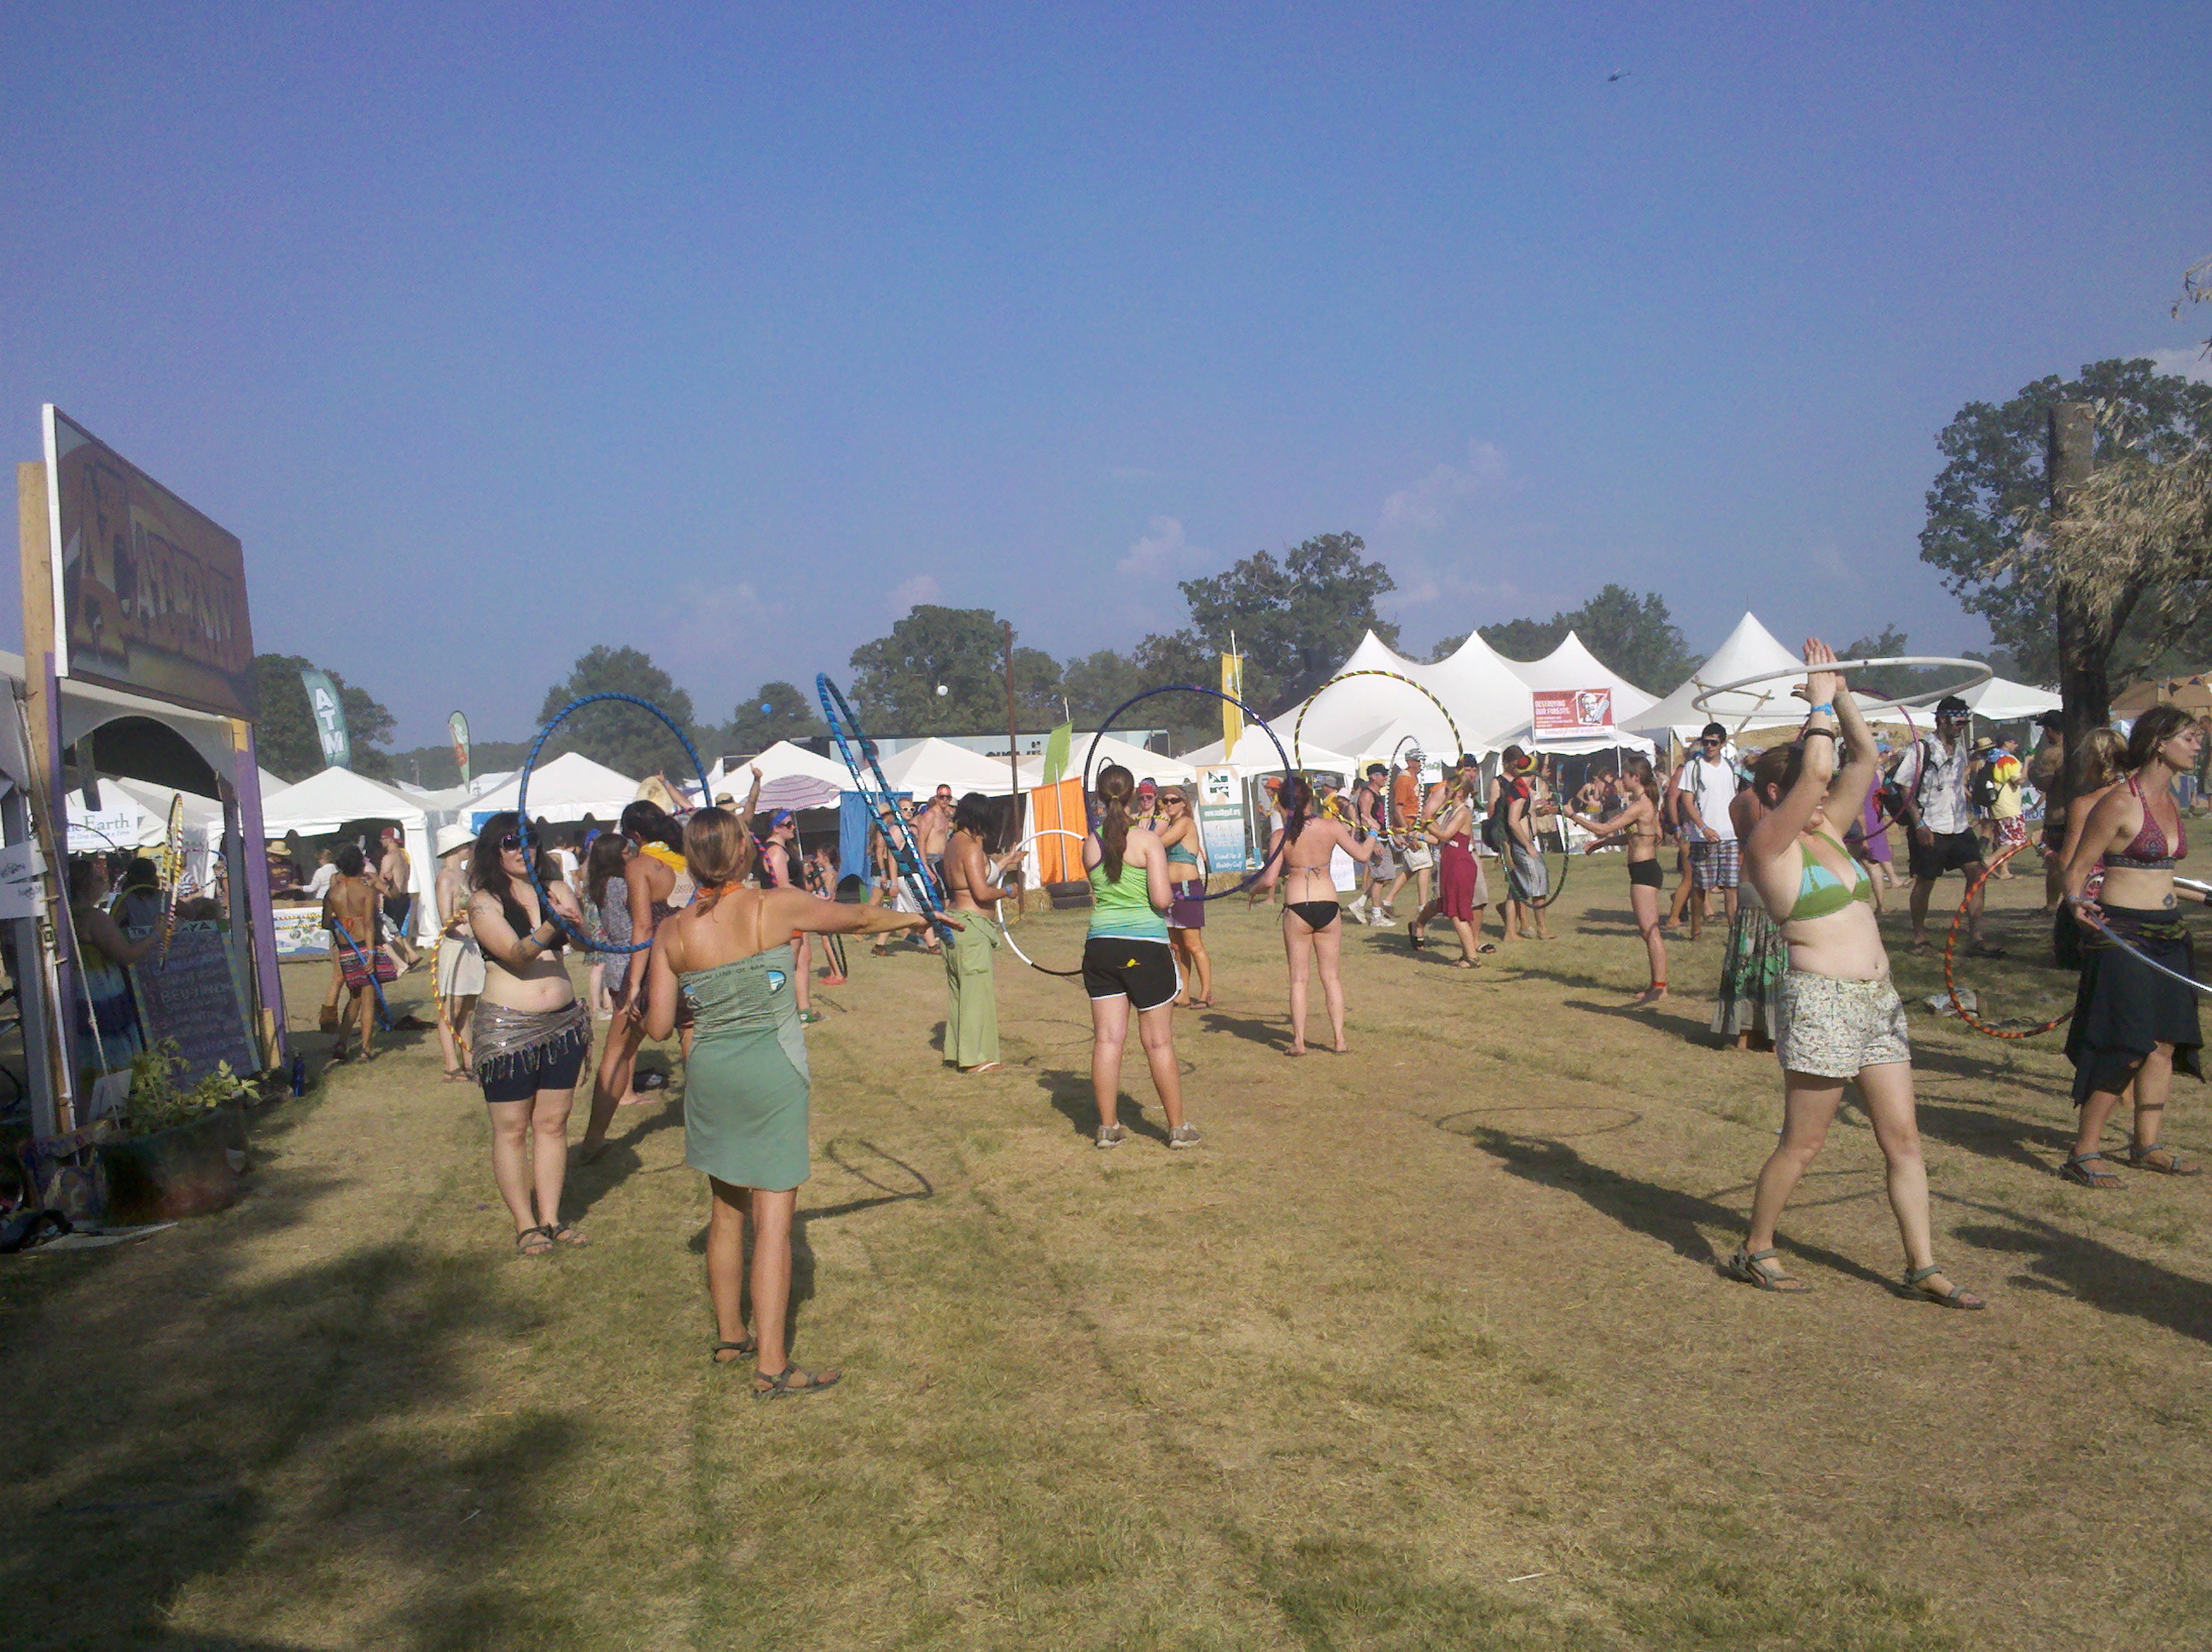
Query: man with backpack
1930	797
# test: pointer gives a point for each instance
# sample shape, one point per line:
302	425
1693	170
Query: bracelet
1828	705
1808	733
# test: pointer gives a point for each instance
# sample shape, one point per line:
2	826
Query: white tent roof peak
569	787
1374	654
1572	666
1747	651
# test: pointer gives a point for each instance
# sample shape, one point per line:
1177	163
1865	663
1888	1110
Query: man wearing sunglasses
1931	781
1703	788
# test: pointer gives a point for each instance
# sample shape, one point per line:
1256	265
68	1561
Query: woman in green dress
729	957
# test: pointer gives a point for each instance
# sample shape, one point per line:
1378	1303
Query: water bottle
299	1075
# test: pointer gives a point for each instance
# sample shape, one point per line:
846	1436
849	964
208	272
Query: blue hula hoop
906	854
1250	716
522	809
383	1009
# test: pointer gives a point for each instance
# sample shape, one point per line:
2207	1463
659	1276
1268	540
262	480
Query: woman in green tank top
1127	962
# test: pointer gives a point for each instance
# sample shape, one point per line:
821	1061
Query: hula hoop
1297	748
522	829
1978	673
906	853
1226	698
369	964
1951	987
1043	969
818	886
2142	958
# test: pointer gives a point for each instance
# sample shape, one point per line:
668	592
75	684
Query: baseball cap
2051	720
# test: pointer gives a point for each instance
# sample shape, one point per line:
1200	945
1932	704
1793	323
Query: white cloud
1162	545
922	588
1425	507
2190	363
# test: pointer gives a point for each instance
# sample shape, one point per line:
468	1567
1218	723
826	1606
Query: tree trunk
2085	644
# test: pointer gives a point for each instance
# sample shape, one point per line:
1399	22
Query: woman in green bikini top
729	956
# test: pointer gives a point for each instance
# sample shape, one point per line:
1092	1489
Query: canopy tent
1748	650
1612	740
567	789
1473	685
1999	701
1572	666
1140	760
336	798
927	764
1255	755
792	777
2192	694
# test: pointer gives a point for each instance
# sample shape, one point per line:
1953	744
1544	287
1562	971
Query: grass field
1424	1347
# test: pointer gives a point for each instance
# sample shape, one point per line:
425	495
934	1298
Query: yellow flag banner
1232	716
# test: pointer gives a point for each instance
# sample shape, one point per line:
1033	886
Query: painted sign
1222	826
150	595
1569	713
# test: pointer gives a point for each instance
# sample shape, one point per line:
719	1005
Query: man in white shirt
1935	808
1703	788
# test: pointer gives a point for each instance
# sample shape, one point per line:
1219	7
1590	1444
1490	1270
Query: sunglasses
510	841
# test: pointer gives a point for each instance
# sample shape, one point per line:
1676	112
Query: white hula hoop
1000	913
1977	673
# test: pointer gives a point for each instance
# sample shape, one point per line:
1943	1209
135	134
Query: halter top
1821	893
2148	852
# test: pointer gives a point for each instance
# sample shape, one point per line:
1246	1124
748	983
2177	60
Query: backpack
1983	793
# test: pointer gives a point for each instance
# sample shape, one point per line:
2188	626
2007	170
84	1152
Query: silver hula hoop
999	915
1977	674
2141	956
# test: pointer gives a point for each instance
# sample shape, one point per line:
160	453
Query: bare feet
1296	1049
1650	996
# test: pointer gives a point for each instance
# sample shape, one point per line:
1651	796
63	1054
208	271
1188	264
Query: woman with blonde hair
1178	835
1838	1016
728	956
2133	1024
1461	890
1127	962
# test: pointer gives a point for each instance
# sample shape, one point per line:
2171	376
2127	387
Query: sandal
459	1075
781	1385
737	1351
2077	1170
561	1234
2147	1158
1745	1265
532	1242
1487	947
1413	934
1957	1296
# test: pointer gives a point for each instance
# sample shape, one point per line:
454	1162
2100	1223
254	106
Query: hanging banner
1221	824
327	711
1572	713
1232	716
149	595
457	725
1056	745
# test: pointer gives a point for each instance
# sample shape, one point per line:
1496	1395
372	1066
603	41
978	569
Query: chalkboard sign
192	998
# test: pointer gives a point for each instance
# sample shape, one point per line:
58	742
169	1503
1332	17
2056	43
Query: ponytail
1297	797
1116	785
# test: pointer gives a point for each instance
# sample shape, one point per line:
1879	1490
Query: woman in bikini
1178	835
529	1033
1127	962
1638	825
728	956
1838	1016
2131	1023
1298	859
1461	890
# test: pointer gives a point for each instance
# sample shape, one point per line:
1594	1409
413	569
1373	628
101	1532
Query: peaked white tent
792	777
1140	760
324	803
567	789
1748	650
927	764
2000	700
1255	755
1571	666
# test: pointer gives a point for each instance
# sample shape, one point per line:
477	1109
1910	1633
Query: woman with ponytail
1127	962
728	958
1299	858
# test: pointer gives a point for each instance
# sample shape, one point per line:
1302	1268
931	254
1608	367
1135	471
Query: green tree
963	650
1295	621
284	738
1634	637
627	738
1991	494
1893	681
773	711
1516	639
1094	683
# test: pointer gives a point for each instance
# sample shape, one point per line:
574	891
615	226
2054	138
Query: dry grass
1410	1326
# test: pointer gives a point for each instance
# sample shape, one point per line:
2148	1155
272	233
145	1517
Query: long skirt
2123	1006
1751	972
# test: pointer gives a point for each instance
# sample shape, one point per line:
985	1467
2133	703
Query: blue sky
728	335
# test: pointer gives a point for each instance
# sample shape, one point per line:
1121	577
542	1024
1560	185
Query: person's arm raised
1779	828
1847	792
786	911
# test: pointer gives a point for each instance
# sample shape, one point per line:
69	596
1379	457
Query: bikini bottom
1316	914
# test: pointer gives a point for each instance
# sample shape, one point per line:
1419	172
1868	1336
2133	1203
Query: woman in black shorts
1300	854
1127	963
531	1034
1638	822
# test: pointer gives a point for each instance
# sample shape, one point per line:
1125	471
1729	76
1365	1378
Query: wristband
1828	705
1808	733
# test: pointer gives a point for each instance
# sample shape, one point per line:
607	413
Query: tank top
1123	906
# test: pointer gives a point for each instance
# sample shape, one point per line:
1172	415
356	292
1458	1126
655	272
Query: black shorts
557	1066
396	908
1950	852
1143	972
1646	874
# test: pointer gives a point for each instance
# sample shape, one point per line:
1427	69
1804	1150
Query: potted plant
175	1151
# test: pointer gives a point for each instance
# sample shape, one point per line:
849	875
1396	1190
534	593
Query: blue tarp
854	822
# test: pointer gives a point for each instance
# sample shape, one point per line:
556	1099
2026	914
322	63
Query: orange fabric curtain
1059	808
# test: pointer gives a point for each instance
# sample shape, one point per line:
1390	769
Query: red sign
1568	713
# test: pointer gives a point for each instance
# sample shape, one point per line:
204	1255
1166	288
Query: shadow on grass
1071	1097
1272	1034
209	1423
1673	1218
587	1184
2109	1280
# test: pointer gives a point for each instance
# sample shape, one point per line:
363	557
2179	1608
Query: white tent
1140	760
1570	665
927	764
1999	701
203	824
1749	649
792	777
324	802
1255	755
569	788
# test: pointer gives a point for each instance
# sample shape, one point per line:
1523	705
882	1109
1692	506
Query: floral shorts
1831	1028
2012	832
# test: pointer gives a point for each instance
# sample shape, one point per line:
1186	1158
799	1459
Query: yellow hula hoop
1297	752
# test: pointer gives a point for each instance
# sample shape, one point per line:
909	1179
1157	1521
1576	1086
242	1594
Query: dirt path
1425	1346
